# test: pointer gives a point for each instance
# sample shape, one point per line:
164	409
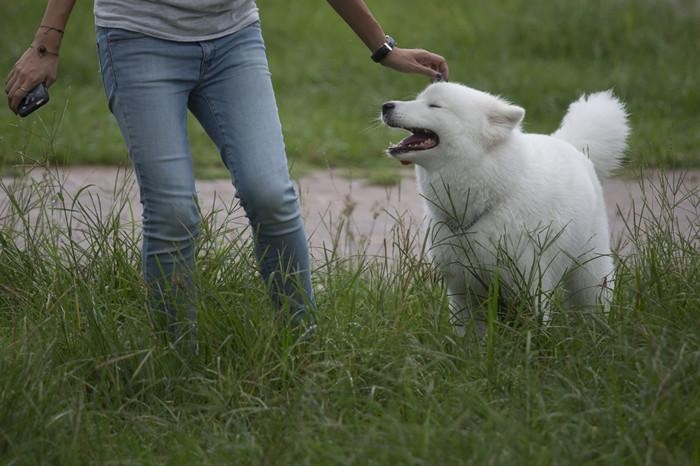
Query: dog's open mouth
420	139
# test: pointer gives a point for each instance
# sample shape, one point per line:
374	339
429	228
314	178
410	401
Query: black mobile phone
33	100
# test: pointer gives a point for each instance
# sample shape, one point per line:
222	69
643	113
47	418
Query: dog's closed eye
434	106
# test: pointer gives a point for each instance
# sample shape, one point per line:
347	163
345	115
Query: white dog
528	206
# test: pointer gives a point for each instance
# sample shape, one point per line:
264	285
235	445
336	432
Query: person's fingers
19	87
16	97
11	91
16	90
11	78
418	61
436	62
431	73
444	71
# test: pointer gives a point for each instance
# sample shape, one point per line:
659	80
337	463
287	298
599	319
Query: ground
354	215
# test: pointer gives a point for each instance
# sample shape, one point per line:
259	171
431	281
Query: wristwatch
384	50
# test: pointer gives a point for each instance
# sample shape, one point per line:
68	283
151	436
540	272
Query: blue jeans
150	84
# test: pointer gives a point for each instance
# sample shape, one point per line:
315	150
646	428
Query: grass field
85	381
540	54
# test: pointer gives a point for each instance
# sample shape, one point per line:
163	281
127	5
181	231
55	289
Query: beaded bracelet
43	51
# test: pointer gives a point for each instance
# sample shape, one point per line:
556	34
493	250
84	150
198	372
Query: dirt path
353	215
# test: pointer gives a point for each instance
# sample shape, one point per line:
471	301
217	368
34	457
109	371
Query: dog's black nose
388	107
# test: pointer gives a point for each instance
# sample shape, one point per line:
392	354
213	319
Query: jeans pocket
106	71
114	35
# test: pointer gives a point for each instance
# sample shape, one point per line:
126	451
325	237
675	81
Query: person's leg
148	82
235	103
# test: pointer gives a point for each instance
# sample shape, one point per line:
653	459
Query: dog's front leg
463	317
463	320
541	293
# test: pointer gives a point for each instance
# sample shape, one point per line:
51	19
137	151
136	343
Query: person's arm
361	21
39	63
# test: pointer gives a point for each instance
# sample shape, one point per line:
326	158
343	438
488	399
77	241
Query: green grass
86	381
540	54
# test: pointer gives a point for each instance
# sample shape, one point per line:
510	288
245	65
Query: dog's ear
501	121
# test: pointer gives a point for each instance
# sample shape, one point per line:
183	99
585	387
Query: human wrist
48	28
384	49
48	37
43	51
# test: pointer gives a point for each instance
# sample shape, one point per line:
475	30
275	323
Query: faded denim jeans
150	85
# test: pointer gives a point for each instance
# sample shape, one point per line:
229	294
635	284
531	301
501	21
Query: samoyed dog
526	207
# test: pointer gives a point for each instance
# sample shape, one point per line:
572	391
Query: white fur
529	206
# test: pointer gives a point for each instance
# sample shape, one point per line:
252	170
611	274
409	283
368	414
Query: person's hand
31	69
417	61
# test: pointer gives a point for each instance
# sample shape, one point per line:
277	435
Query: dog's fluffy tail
597	125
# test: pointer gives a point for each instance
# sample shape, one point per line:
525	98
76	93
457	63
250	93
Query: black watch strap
384	50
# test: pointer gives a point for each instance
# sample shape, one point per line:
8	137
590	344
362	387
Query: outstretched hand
417	61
